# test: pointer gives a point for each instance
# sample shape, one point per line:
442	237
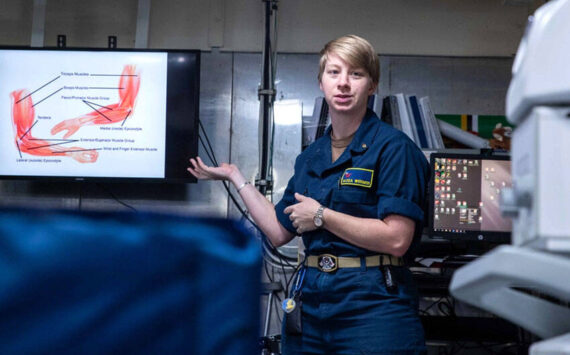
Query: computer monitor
98	115
464	197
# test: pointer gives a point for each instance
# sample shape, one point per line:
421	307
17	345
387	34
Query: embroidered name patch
357	177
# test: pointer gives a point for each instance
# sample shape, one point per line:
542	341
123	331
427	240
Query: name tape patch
357	177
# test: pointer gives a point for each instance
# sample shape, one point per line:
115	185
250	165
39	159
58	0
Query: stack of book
414	117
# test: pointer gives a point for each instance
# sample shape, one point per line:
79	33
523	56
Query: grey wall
455	86
229	111
457	65
406	27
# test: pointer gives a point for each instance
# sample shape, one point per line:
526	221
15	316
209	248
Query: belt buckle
327	263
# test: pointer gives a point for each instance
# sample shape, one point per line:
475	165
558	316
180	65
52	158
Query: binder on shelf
396	122
391	112
427	127
420	132
387	113
404	117
416	139
375	104
412	115
435	131
391	103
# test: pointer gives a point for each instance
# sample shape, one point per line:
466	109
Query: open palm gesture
204	172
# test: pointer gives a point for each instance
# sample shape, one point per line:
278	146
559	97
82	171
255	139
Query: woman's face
346	89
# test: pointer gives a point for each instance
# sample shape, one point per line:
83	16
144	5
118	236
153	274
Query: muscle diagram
23	115
128	89
24	119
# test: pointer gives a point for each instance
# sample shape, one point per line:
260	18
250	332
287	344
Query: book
375	104
427	127
396	122
433	122
417	121
387	114
412	122
404	117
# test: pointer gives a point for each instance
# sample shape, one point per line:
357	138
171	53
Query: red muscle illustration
23	114
128	91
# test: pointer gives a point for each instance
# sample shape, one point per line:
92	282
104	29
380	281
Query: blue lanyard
300	278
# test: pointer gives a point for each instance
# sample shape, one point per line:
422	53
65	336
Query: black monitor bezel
494	237
181	177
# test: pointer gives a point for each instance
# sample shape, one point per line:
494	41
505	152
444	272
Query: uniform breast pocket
358	202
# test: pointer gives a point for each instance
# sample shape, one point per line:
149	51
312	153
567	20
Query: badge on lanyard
288	305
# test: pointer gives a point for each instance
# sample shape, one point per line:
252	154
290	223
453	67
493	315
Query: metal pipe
266	96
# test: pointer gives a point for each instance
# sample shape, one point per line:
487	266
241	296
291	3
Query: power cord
267	246
102	187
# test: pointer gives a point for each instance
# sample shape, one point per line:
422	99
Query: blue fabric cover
101	283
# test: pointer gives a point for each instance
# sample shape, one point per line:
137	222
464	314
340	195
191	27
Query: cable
269	277
294	273
276	302
268	248
273	70
212	159
277	260
211	155
445	308
207	153
425	310
115	197
80	196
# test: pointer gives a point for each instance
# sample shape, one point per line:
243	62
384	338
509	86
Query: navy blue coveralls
350	311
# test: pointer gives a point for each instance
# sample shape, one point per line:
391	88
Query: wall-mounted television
98	115
464	197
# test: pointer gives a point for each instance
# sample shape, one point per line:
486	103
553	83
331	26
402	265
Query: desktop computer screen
465	194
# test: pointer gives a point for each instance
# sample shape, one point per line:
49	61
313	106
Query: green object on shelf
485	123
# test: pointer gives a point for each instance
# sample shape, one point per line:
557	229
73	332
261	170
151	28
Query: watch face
318	221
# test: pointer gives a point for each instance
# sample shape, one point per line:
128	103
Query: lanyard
299	282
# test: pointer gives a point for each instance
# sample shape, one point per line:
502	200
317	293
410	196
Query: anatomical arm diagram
23	117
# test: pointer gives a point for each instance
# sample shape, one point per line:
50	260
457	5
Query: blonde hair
356	52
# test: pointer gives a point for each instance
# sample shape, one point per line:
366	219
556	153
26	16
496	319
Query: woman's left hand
302	213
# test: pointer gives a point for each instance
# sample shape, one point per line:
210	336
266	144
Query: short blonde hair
356	52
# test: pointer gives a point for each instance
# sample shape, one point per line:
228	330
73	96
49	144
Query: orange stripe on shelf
464	122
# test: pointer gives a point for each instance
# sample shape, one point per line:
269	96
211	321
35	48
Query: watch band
318	219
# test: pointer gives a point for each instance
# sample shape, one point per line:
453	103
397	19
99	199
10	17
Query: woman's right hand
203	172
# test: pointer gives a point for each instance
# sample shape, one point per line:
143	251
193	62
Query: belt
329	263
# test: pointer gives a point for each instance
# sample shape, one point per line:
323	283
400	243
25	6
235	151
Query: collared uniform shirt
351	311
381	172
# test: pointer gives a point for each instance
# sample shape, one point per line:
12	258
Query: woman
356	198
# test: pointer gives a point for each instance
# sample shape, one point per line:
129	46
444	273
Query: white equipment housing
511	281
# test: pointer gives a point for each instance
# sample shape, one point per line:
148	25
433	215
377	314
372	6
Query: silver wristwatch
318	219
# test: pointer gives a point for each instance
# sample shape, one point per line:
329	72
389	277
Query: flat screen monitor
86	114
464	197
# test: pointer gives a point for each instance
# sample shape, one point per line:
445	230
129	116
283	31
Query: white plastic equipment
511	281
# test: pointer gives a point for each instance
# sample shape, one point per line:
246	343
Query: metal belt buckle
327	263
